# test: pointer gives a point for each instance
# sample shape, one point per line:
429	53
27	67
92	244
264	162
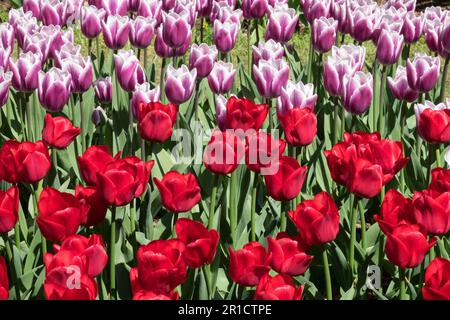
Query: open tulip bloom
224	149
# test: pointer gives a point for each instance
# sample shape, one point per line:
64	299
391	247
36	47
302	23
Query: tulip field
224	150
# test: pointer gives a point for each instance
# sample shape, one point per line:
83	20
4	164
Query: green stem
55	160
145	60
249	48
402	282
97	44
83	138
431	153
202	21
269	103
143	154
283	213
444	78
354	219
253	207
10	256
112	256
310	60
212	207
149	216
438	156
299	151
336	122
133	226
256	30
326	271
17	234
174	223
196	95
342	121
161	79
232	207
363	225
382	115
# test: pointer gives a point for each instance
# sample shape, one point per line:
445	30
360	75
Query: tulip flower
225	34
179	84
176	29
156	121
407	245
143	94
160	266
261	150
423	72
287	255
5	83
32	5
412	27
221	78
324	34
25	162
94	159
142	31
152	9
188	9
4	283
114	7
269	50
315	9
254	9
281	24
81	72
279	287
56	38
202	58
390	20
363	21
25	26
90	198
270	77
53	12
204	8
36	43
357	92
400	88
389	47
440	180
103	90
60	214
248	264
129	71
223	153
91	21
98	116
59	132
299	126
431	211
9	209
285	183
433	122
7	36
67	51
54	89
25	71
432	31
201	243
445	33
437	280
296	95
409	5
155	295
339	11
161	48
223	10
395	210
115	31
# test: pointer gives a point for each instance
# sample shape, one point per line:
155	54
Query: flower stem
326	271
363	225
253	207
299	151
196	95
112	256
249	50
83	138
354	219
382	107
336	122
232	208
256	30
284	211
402	282
133	226
10	256
161	79
212	207
269	103
444	78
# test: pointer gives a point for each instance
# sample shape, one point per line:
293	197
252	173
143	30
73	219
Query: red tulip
9	209
179	192
65	283
152	295
434	124
364	162
317	220
279	287
287	181
60	214
437	280
156	120
288	256
223	153
407	245
244	114
96	207
59	132
440	180
26	162
95	159
160	266
4	285
261	149
201	244
432	211
395	210
249	264
299	126
122	180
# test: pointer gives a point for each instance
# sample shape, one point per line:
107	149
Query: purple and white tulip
282	23
324	33
129	72
143	93
91	21
103	90
25	71
423	72
357	92
202	58
180	84
400	88
221	78
296	95
115	31
267	50
142	31
54	89
270	77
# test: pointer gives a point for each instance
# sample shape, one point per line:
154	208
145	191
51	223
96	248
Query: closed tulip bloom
433	122
161	48
156	121
395	210
25	162
115	31
59	132
407	245
33	6
114	7
57	280
6	36
324	34
5	83
152	9
81	72
445	33
437	280
440	179
202	58
14	15
201	243
25	71
423	72
142	31
103	90
389	47
221	78
54	89
187	8
390	21
248	264
223	153
179	192
299	126
90	198
94	159
176	29
98	116
222	10
225	34
9	209
4	283
296	95
60	214
154	295
91	21
315	9
357	92
24	28
55	39
412	27
363	22
281	24
180	84
339	11
129	71
68	50
286	183
204	8
244	114
160	266
409	5
270	77
287	256
261	150
53	12
431	211
400	88
143	93
221	112
279	287
254	9
267	51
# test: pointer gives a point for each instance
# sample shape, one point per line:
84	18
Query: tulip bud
390	21
340	13
254	9
5	83
156	121
59	132
25	71
389	47
270	77
129	72
225	34
81	72
315	9
412	27
202	58
445	33
357	92
142	31
423	72
9	209
176	29
363	22
432	31
267	51
433	122
54	89
437	280
221	78
115	31
151	9
91	21
279	287
98	116
143	94
400	88
324	34
103	90
221	112
281	24
180	84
